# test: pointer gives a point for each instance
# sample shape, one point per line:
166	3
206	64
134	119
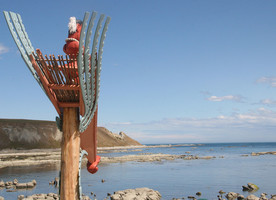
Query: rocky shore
10	158
36	157
150	194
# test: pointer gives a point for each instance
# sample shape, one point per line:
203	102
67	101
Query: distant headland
35	134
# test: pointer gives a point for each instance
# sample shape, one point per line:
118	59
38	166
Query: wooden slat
60	93
63	69
50	70
67	94
62	78
45	83
55	70
45	67
64	87
69	68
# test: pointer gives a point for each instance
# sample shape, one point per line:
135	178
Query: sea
232	167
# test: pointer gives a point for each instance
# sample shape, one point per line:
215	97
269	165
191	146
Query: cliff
35	134
108	139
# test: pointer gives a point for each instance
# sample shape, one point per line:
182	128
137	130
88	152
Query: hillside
33	134
108	139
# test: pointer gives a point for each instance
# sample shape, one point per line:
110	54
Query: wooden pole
70	152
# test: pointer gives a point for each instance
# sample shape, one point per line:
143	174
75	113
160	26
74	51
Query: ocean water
173	179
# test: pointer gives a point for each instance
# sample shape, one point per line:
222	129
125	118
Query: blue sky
173	71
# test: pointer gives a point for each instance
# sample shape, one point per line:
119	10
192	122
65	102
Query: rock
30	185
2	183
231	195
252	186
240	197
252	197
129	196
208	157
103	180
11	190
8	183
9	186
42	196
28	198
263	153
20	197
138	193
21	185
2	198
15	181
245	188
52	198
51	194
116	197
56	196
55	182
221	192
198	193
34	182
85	197
191	197
263	196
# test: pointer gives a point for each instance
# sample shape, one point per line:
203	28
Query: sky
173	71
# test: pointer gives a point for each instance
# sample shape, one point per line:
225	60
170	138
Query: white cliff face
24	134
27	134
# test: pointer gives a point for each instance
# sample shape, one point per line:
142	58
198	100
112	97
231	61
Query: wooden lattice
59	77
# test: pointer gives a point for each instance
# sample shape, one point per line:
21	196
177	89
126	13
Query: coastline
36	157
192	169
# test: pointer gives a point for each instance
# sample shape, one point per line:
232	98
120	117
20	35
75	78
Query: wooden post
70	152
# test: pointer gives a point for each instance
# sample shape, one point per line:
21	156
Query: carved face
71	47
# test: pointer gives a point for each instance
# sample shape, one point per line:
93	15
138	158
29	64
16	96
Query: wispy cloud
268	102
225	98
269	80
258	125
3	49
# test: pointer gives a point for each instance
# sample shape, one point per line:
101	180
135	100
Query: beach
176	171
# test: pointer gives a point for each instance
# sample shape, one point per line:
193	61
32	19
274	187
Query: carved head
71	47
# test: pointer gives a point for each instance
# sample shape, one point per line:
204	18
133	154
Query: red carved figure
71	47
